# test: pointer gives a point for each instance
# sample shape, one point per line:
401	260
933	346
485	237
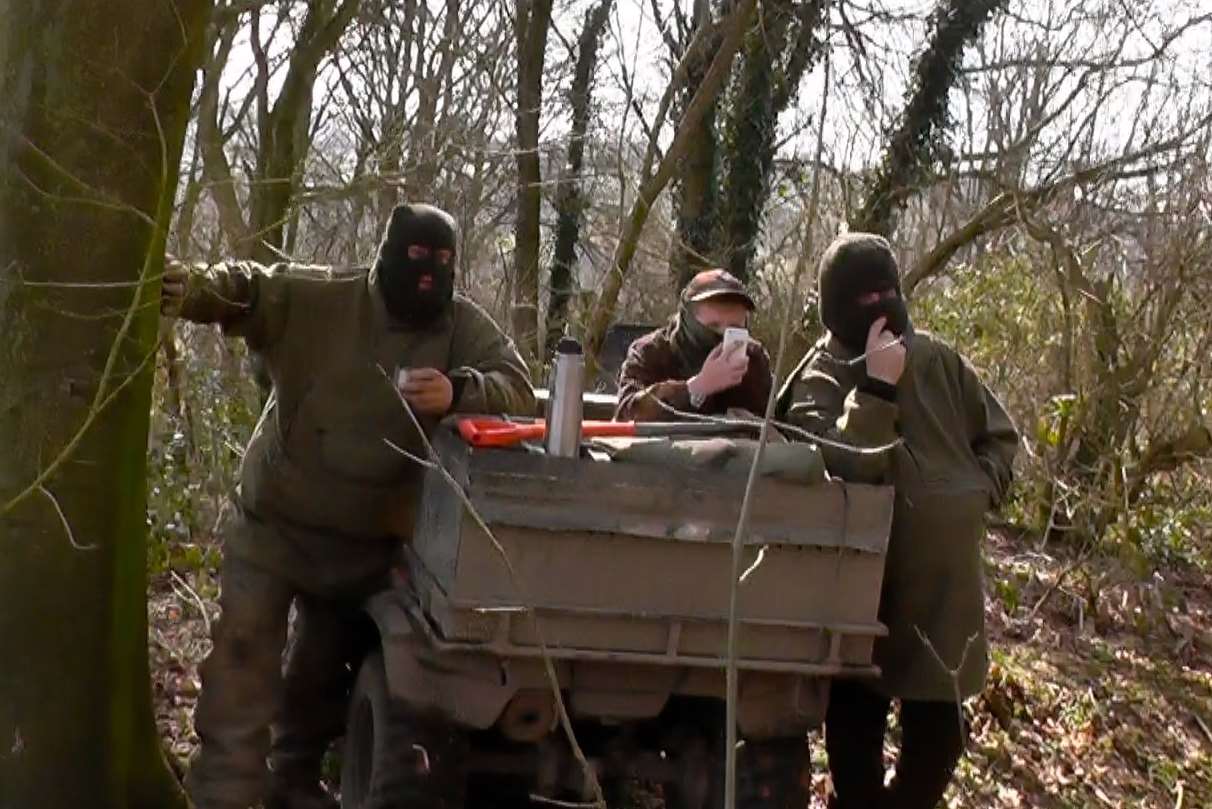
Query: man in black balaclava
415	265
324	502
947	448
858	284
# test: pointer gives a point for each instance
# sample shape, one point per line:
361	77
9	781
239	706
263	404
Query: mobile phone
401	377
733	337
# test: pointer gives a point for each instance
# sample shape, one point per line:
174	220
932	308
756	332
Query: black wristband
457	383
880	388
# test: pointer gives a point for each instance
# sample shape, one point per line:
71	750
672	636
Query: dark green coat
954	462
318	459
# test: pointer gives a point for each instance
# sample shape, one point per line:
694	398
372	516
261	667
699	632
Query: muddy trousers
252	707
855	725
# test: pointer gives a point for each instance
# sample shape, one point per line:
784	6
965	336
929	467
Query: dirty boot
241	681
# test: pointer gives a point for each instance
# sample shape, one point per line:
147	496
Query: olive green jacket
319	457
952	461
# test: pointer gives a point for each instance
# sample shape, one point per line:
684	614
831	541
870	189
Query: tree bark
216	169
652	186
96	102
570	200
913	144
534	20
285	132
776	55
696	184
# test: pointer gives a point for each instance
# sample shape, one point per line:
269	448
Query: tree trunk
696	184
570	200
96	101
534	20
285	135
913	144
651	187
776	55
216	169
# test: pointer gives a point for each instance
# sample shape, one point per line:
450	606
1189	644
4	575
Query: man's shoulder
936	345
658	341
319	281
318	273
316	288
469	317
465	309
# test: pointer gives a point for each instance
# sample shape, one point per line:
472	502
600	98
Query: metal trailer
617	584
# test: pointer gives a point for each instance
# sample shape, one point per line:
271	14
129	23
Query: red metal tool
494	432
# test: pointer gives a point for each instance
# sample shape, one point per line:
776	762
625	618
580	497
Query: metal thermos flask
564	389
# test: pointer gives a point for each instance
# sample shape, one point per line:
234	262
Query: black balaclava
853	265
398	277
692	341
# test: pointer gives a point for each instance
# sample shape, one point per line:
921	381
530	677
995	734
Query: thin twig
1203	726
435	463
952	674
761	557
863	357
197	599
71	537
93	413
562	804
86	284
1086	552
731	675
782	426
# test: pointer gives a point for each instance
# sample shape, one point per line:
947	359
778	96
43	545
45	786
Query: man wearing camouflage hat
874	381
684	367
323	501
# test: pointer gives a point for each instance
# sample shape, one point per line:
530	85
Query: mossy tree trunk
915	144
777	53
696	186
95	103
533	22
570	196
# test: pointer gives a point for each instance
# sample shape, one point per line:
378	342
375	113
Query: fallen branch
197	600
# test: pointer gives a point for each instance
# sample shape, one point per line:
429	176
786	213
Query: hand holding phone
725	366
735	339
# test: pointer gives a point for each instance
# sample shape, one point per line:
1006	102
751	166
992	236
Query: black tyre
697	752
395	758
770	775
486	791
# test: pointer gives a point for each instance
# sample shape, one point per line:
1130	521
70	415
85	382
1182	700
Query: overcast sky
863	102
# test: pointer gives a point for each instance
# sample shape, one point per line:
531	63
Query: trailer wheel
698	757
395	758
770	775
